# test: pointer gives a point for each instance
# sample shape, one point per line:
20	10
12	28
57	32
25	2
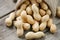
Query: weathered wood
6	6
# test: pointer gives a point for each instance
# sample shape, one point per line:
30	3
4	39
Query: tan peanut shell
32	35
37	17
20	32
34	2
50	22
24	16
18	23
29	10
44	6
42	12
35	9
26	26
45	18
30	19
48	12
36	14
8	21
39	1
58	11
35	26
53	28
24	5
19	18
12	15
18	12
43	26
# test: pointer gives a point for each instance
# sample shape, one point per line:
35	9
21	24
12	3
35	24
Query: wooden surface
6	6
10	33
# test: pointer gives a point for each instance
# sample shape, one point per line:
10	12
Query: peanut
36	14
30	19
26	26
48	12
12	16
20	32
34	2
43	26
35	26
9	20
39	1
29	10
53	28
24	16
50	22
42	12
44	6
32	35
19	25
58	11
45	18
18	18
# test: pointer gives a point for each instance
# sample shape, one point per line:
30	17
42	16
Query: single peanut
19	18
45	18
42	12
30	19
44	6
9	20
50	22
43	26
35	26
48	12
20	32
53	28
58	11
12	15
26	26
36	14
34	2
39	1
19	25
32	35
29	10
24	16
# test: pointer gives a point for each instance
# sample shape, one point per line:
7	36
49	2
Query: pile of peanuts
33	14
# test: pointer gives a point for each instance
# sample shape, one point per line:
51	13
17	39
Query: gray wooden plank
6	6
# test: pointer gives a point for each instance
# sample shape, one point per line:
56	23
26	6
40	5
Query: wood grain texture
6	6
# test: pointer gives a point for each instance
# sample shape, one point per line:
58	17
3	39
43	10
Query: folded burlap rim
51	3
